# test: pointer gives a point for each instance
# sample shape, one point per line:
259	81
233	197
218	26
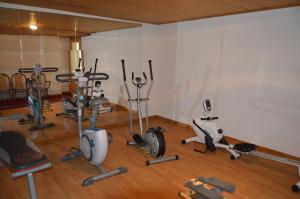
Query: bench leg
31	185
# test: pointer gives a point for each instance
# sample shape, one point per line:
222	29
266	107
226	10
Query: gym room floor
253	177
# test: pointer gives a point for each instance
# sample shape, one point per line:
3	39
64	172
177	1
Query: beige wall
45	50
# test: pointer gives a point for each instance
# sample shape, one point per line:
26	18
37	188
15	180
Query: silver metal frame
81	82
30	178
139	100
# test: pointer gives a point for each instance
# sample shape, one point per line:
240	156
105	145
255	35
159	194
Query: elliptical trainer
153	140
36	103
93	142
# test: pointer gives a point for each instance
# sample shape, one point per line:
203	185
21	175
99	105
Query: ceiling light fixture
33	27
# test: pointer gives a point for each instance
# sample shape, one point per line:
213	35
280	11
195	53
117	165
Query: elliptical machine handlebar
150	66
138	81
124	72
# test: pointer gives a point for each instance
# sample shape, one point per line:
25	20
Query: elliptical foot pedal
162	159
139	140
92	180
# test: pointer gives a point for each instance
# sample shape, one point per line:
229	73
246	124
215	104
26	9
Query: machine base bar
102	176
275	158
41	126
72	155
162	159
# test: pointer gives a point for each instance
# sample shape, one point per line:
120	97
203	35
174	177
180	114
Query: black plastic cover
21	155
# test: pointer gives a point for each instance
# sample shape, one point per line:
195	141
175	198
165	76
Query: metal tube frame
30	178
138	102
31	186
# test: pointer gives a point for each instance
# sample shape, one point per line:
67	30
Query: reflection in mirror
54	40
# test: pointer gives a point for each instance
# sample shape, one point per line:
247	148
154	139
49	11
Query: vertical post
139	107
148	92
130	115
95	108
31	185
38	84
79	110
146	113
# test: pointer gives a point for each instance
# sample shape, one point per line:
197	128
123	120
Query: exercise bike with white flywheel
93	142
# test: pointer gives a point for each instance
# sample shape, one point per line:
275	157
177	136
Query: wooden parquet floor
253	177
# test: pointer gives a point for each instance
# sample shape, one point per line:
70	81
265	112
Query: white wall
249	66
54	54
110	48
136	46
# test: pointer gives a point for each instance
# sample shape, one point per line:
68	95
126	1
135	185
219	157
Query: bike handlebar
69	77
44	70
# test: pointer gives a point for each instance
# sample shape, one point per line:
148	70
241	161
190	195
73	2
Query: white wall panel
249	65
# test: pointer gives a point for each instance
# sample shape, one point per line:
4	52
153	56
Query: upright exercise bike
153	140
36	103
208	133
93	142
69	103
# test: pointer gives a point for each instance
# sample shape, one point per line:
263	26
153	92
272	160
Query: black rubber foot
109	138
147	163
183	142
177	157
295	188
232	157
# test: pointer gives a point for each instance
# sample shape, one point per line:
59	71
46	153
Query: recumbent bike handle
210	118
69	77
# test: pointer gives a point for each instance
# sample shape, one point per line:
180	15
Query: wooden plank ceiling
17	22
160	11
